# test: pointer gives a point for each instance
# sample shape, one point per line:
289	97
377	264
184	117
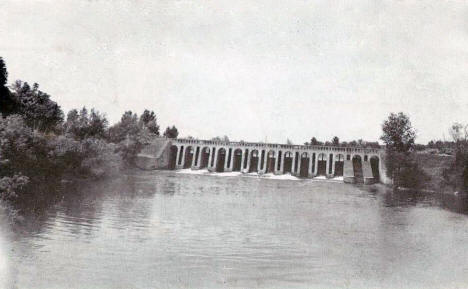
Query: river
171	230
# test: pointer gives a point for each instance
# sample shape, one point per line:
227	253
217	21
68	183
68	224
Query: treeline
40	147
336	142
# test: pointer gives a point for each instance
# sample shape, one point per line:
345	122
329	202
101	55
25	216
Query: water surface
169	230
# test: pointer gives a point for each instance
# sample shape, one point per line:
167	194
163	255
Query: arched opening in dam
236	166
304	166
322	164
253	161
204	157
287	162
357	167
271	162
374	162
339	165
188	157
220	160
172	157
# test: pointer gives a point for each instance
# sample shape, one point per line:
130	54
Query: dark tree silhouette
314	141
36	107
7	103
336	141
149	120
171	132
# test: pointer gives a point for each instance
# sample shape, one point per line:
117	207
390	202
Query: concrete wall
155	155
348	172
383	170
367	173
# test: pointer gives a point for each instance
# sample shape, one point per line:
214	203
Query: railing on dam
278	146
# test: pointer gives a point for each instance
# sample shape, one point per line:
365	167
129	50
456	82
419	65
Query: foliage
148	119
33	163
28	153
128	126
36	107
38	150
82	125
131	134
10	187
335	141
404	170
221	139
6	103
3	73
171	132
398	134
314	142
456	176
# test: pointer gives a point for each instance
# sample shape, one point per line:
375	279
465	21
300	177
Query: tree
7	104
24	152
128	126
225	138
149	120
171	132
398	134
3	73
289	142
457	175
82	125
336	141
36	107
313	141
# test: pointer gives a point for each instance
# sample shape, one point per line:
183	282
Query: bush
11	186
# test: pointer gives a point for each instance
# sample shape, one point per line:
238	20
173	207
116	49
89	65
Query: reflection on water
166	230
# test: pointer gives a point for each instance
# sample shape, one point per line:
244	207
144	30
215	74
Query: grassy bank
434	165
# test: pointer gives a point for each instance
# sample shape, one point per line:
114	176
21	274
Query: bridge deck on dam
306	161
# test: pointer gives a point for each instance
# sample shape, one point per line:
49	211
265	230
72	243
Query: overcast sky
253	70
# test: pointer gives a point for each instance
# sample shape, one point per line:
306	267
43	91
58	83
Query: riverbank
434	165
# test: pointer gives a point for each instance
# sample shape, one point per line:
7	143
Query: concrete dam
355	165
